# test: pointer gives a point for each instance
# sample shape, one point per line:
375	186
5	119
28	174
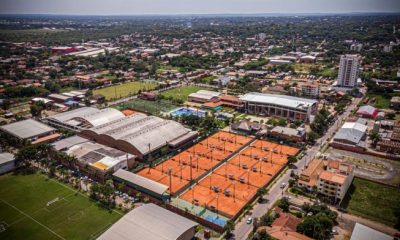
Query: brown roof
333	177
312	171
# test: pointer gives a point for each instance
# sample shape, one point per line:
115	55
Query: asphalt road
242	229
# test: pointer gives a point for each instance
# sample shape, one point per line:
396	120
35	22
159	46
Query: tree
316	226
229	226
375	137
284	204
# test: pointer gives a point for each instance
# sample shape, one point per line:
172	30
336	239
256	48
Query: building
260	36
140	135
84	118
63	49
308	59
329	178
203	96
284	227
348	71
289	134
356	47
362	232
351	133
311	89
367	111
248	127
395	103
30	130
7	162
135	182
98	157
292	108
150	222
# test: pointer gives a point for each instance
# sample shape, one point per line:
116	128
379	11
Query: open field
151	107
374	201
35	207
381	101
236	182
192	163
124	89
181	93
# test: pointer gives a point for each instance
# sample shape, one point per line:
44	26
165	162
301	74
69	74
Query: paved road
242	229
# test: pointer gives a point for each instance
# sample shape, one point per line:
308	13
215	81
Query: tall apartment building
348	70
260	36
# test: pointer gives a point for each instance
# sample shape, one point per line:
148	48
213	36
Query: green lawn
123	90
181	93
25	212
381	101
374	201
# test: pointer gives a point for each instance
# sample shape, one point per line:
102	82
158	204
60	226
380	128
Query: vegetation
55	210
180	95
124	90
374	201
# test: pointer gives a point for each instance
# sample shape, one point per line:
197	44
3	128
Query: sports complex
220	174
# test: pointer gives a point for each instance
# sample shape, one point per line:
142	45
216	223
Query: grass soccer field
125	89
181	93
35	207
374	201
151	107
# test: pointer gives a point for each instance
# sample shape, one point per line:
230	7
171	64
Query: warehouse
7	162
30	130
292	108
149	222
140	135
84	118
351	133
203	96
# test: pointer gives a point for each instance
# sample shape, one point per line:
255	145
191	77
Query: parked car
283	185
249	220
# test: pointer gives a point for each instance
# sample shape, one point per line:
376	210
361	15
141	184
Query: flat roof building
150	222
292	108
362	232
7	162
29	129
352	133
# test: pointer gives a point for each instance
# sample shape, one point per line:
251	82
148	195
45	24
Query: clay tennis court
236	182
195	161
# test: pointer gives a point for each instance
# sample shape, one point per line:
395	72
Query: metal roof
148	222
26	129
68	142
361	232
140	181
6	157
279	100
351	131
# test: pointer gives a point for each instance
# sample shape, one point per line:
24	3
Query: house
247	126
284	227
395	103
367	111
290	134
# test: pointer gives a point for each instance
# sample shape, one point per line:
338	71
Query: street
242	229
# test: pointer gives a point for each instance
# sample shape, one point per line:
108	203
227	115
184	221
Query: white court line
32	218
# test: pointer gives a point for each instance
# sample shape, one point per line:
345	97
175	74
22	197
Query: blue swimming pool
188	111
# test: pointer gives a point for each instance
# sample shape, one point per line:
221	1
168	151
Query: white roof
6	157
279	100
26	129
68	142
138	180
149	222
351	131
205	94
362	232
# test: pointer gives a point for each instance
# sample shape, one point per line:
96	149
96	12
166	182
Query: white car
283	185
249	220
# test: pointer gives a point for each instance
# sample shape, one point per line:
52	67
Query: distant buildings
395	103
330	178
260	36
356	47
348	71
292	108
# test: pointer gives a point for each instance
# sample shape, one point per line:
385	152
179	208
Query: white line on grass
27	215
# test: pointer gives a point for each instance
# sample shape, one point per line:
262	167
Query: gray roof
287	131
351	131
68	142
26	129
148	222
145	133
361	232
367	109
140	181
6	157
279	100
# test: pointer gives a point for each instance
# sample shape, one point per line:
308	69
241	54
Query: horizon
189	7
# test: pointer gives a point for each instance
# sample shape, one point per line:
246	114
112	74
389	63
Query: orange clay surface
195	161
239	178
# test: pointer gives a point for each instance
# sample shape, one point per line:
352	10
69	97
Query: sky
138	7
